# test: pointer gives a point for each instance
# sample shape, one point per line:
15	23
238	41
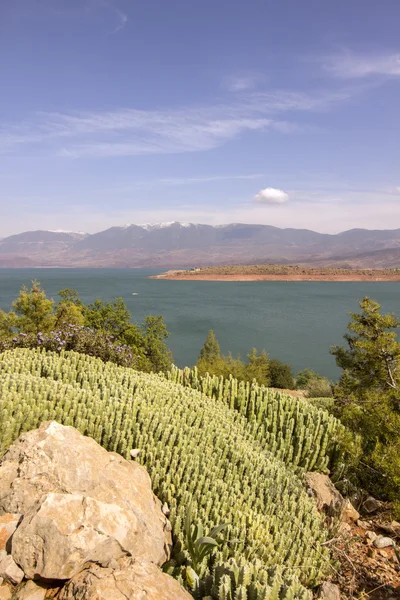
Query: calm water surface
296	322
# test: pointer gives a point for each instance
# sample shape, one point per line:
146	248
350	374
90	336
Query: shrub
319	387
281	375
78	338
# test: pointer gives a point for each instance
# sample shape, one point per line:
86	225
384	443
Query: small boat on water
134	293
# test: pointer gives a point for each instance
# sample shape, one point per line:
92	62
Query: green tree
111	317
304	376
34	310
257	367
156	355
70	309
70	296
210	352
281	375
367	398
371	360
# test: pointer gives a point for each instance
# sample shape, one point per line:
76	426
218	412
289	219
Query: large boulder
80	504
129	580
62	533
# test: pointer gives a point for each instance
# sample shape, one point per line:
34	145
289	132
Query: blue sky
130	111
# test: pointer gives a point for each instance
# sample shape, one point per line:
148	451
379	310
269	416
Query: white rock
383	542
57	479
371	535
134	453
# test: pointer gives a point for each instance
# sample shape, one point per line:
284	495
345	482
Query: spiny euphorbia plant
198	452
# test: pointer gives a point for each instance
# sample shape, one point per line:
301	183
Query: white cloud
271	196
130	132
350	65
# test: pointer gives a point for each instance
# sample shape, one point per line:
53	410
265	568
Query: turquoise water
296	322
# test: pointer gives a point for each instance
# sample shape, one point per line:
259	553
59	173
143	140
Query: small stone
363	524
349	512
165	509
329	591
9	570
30	591
371	535
8	524
382	542
383	553
134	453
371	505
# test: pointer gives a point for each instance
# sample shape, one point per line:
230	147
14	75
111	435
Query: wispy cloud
351	65
130	132
240	83
210	179
121	16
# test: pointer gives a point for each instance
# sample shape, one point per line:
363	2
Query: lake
296	322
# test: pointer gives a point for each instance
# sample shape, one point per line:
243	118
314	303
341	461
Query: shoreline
182	275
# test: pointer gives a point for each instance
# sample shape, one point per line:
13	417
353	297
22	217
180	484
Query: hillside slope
199	452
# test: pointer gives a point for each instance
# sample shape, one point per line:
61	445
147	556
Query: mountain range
174	244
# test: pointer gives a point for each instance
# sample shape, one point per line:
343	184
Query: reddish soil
364	572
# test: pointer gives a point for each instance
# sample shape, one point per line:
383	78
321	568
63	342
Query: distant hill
177	244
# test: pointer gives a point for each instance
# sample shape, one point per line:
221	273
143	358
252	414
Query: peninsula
279	273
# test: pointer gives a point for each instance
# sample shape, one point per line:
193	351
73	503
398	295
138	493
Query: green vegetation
368	396
100	329
199	453
258	367
315	385
291	428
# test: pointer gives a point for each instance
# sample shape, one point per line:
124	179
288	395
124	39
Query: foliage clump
101	329
368	395
258	367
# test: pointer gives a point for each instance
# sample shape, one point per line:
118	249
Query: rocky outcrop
72	512
328	499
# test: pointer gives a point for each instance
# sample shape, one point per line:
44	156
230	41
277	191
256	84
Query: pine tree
372	359
210	352
34	310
